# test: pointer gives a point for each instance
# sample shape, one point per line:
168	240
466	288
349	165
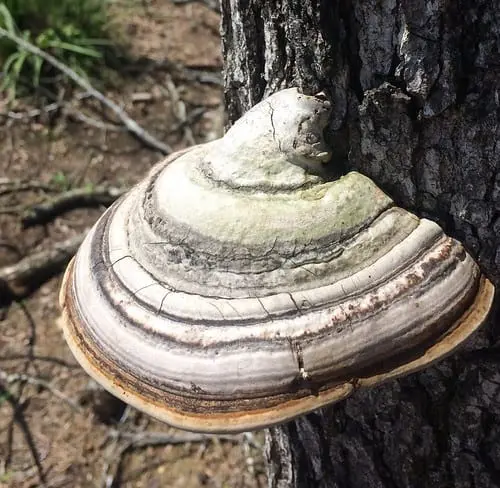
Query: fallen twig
69	110
179	109
31	380
143	439
114	454
210	75
71	199
211	4
8	186
249	459
12	210
19	280
191	118
132	126
203	76
123	441
47	359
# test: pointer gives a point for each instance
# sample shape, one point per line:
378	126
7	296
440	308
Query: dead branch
19	280
132	126
69	200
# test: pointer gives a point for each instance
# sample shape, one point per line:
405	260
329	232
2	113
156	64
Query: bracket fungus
236	287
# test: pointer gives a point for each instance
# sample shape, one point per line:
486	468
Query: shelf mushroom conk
236	287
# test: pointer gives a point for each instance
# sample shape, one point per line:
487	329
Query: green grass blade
85	51
8	21
37	63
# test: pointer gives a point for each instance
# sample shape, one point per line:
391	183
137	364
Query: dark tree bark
416	91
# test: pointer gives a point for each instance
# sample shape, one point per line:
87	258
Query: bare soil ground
56	428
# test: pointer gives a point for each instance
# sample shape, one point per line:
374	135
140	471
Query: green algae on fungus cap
237	287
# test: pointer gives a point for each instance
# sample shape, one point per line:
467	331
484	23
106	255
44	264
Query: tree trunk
416	89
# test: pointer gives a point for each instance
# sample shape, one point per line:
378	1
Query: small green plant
89	187
61	181
74	31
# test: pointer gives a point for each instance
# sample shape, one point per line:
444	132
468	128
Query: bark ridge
415	87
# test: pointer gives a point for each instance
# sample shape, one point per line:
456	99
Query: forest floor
57	429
